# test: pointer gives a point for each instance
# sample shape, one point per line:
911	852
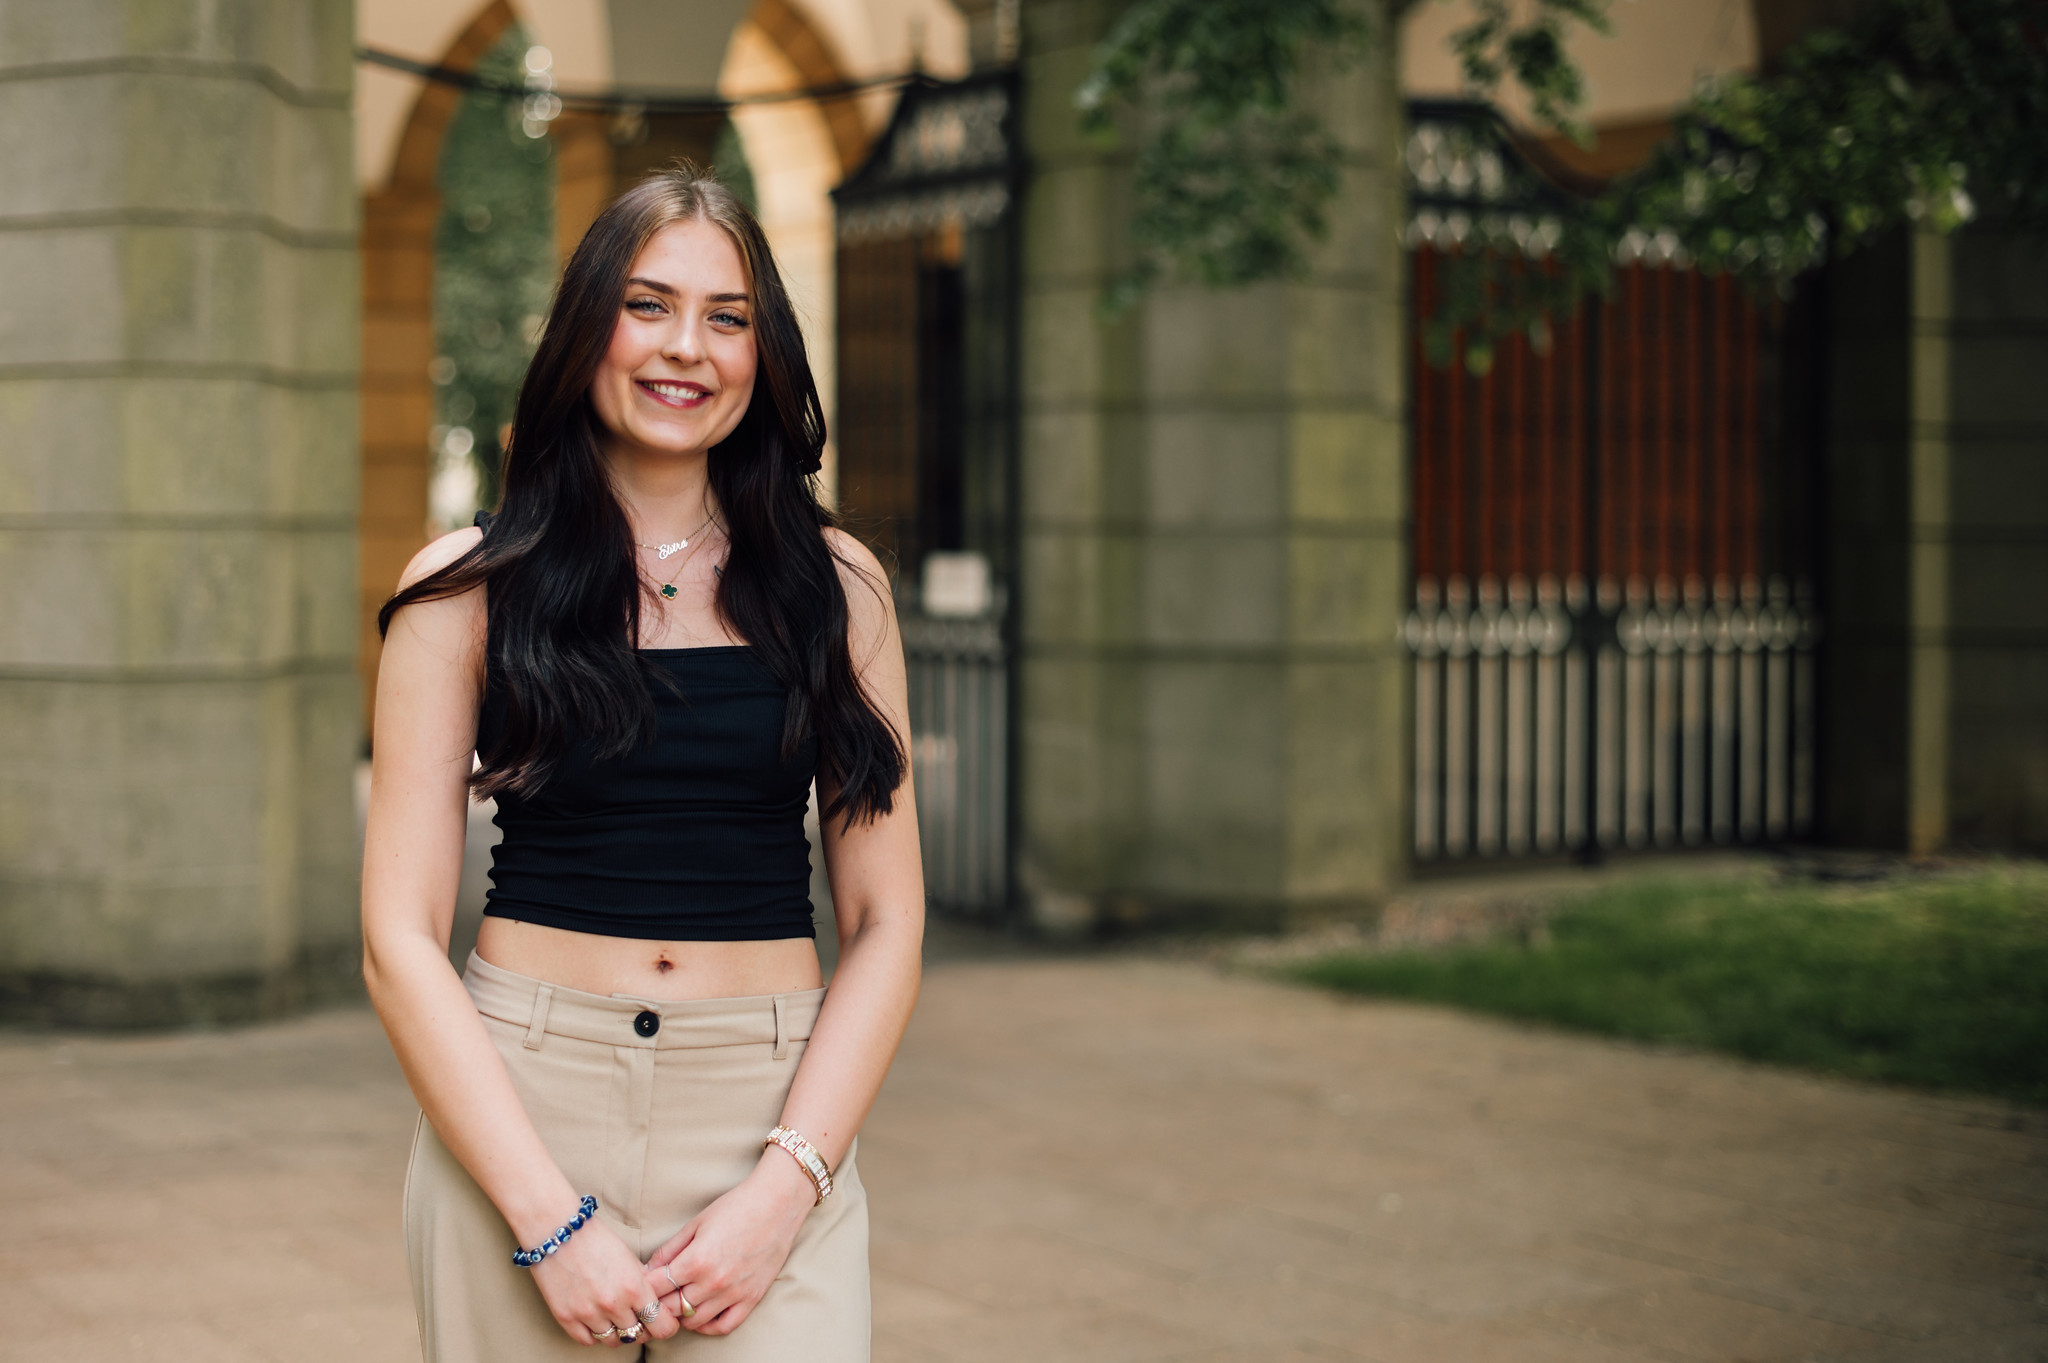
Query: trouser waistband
616	1020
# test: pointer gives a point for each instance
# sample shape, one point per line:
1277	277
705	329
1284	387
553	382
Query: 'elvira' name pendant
662	551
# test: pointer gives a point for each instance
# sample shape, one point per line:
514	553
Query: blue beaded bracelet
527	1258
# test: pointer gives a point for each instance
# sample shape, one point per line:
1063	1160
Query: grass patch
1938	981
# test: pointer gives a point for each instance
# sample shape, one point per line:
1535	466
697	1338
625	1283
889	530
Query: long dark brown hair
563	589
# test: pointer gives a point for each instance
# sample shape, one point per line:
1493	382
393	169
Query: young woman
653	649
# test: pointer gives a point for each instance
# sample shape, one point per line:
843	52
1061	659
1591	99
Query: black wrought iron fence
1697	728
959	724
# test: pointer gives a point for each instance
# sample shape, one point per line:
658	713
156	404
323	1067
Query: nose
685	340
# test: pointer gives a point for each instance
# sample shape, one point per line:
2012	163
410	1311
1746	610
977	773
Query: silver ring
606	1333
671	1277
651	1312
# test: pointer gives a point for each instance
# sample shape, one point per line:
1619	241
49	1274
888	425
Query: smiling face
680	370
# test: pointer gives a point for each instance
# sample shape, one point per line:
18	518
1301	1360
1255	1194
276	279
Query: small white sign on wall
955	584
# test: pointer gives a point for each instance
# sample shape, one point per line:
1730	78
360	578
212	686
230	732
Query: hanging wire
628	101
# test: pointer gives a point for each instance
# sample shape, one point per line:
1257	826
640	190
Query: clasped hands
707	1277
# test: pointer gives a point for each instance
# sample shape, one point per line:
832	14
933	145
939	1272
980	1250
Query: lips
682	396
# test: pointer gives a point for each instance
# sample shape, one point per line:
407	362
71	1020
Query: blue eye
728	319
643	304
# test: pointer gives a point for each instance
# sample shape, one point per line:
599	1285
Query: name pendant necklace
664	552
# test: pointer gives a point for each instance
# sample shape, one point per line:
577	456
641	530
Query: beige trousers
656	1127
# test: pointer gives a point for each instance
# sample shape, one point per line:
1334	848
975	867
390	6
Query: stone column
1996	545
1937	730
1213	543
178	717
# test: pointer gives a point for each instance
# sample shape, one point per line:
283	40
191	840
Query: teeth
675	390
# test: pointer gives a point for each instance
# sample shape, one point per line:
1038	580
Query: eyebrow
660	287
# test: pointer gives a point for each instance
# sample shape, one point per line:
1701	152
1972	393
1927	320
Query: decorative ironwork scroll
949	158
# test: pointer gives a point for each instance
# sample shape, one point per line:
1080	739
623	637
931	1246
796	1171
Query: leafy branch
1921	112
1918	111
1493	48
1233	177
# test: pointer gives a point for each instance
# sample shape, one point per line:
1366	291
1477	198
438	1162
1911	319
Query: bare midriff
650	970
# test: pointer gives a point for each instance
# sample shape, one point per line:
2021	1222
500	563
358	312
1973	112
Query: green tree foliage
1232	176
1493	48
729	162
494	260
1913	113
1919	111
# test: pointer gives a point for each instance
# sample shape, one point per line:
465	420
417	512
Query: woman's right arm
428	685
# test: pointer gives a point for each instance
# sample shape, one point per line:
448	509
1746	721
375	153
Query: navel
664	964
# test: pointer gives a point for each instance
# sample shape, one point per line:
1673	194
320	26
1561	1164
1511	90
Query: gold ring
606	1333
688	1310
631	1334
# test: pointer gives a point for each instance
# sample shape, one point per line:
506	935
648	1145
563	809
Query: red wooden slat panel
1656	502
1549	369
1455	507
1485	494
1629	521
1424	435
1518	557
1498	471
1749	527
1686	553
1724	425
1572	483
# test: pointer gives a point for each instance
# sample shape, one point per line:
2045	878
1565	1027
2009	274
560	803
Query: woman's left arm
727	1256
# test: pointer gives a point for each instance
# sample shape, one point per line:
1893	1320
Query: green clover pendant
668	589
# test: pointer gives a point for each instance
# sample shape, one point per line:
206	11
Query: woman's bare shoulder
860	572
852	554
870	604
439	554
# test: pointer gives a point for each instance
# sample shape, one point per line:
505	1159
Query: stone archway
807	50
397	246
799	151
398	342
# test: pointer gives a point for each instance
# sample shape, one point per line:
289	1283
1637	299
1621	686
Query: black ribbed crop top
697	837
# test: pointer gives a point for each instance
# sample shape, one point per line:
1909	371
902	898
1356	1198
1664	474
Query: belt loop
537	1026
781	1031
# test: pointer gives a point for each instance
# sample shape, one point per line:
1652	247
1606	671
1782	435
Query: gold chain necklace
665	551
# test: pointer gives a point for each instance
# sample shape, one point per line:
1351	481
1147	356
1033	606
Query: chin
670	441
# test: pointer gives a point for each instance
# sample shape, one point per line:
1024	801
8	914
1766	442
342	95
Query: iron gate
926	430
959	704
1613	627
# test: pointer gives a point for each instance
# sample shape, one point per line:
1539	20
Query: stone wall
178	349
1997	541
1214	522
1937	694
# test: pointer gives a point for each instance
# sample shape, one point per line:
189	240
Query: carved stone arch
808	50
594	162
398	276
398	340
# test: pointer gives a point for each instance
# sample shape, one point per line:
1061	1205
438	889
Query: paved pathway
1109	1159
